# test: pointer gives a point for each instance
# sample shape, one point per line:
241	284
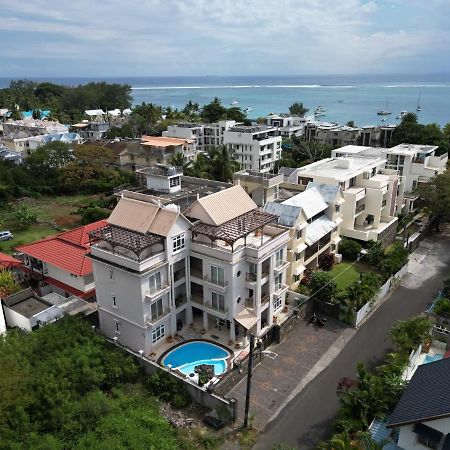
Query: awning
299	269
246	318
300	248
427	432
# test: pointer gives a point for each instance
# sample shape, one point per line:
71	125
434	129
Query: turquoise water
187	356
346	97
432	358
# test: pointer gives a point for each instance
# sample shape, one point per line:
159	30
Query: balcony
152	319
280	288
360	208
281	265
180	301
251	278
179	275
216	309
249	303
157	291
220	284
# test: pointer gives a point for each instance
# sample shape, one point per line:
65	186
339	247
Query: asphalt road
307	419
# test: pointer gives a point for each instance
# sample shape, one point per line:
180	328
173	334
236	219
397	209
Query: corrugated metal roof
163	222
310	201
287	214
222	206
427	395
246	318
133	215
327	191
318	229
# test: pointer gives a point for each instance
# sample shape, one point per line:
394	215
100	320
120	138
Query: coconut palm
222	163
179	160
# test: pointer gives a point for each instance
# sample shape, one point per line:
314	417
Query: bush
24	216
323	286
408	334
375	253
362	291
349	249
442	307
168	389
326	263
394	258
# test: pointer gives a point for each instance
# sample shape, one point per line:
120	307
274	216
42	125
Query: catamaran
384	112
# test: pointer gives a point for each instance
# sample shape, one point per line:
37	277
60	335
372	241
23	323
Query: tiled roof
157	141
427	396
67	250
8	261
222	206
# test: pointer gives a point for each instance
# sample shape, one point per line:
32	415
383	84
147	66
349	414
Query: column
205	320
232	331
271	290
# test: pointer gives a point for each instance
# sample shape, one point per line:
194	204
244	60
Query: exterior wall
14	319
81	283
408	439
2	320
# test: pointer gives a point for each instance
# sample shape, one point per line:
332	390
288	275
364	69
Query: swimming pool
186	356
432	358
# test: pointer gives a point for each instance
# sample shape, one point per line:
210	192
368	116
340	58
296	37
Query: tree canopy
435	197
297	109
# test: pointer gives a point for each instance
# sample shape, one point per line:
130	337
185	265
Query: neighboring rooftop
26	303
161	170
411	149
427	395
162	141
251	128
310	201
328	192
68	250
287	214
7	261
342	168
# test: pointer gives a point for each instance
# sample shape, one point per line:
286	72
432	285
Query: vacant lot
54	214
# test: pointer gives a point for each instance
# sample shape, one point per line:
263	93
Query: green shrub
394	258
408	334
442	307
168	389
323	286
349	249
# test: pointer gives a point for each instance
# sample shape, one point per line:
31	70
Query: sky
70	38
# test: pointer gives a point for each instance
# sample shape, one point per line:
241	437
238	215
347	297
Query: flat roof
29	307
342	168
411	149
352	149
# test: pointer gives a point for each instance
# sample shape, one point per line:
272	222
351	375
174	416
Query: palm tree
201	168
179	160
222	163
361	440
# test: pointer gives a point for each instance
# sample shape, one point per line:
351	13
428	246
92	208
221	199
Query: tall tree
213	111
222	163
297	109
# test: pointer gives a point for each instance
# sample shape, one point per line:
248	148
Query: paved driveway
275	381
308	418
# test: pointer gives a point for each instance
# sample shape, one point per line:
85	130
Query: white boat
384	112
319	111
419	108
234	102
402	114
248	109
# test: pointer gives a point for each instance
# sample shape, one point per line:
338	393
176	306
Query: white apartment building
158	271
313	218
288	125
373	195
254	147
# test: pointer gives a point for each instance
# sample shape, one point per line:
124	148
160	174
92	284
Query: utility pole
249	379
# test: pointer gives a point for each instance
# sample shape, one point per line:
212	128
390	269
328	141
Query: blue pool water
187	356
432	358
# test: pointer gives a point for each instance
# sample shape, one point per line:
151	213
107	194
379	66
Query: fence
365	311
198	394
416	238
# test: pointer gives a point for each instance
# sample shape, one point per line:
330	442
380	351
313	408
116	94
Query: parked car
6	235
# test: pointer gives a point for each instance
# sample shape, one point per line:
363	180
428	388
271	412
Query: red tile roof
7	261
67	250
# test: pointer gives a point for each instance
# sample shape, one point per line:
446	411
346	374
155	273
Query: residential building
141	267
62	261
35	142
313	218
157	270
8	155
238	263
161	150
162	179
422	415
28	311
262	187
27	128
91	130
288	125
373	195
415	163
214	133
254	147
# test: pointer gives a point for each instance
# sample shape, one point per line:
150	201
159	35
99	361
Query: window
114	301
158	333
217	301
117	325
277	303
154	282
279	257
217	275
111	274
298	256
178	242
337	208
156	309
299	234
296	278
352	181
278	281
175	181
427	442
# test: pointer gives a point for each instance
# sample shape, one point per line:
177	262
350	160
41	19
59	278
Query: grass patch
33	233
346	273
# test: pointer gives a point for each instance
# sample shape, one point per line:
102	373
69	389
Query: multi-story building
288	125
27	128
254	147
157	270
373	195
415	163
93	130
313	218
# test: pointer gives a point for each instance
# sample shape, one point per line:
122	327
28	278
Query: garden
355	281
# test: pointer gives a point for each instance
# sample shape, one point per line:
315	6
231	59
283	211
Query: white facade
287	125
2	320
409	440
373	195
254	147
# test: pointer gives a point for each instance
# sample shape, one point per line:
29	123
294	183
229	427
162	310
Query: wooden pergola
237	228
121	237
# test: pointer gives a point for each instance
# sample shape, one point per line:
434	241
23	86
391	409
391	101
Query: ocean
345	97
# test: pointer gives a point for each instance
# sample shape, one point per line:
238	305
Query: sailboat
384	112
418	109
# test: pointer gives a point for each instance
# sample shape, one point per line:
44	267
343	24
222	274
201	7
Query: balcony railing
197	298
152	318
360	208
196	272
280	287
249	303
180	301
265	298
179	274
208	279
156	290
209	305
252	277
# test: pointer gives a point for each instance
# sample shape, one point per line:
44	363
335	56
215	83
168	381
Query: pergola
121	237
237	228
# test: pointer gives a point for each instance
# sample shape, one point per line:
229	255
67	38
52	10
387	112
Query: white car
6	235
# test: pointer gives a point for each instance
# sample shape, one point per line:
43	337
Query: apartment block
254	147
158	271
262	187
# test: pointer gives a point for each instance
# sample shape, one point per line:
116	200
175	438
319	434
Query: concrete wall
77	282
14	319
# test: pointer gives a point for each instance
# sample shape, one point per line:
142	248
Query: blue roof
380	433
29	114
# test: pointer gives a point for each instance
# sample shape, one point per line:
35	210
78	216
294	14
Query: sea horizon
355	97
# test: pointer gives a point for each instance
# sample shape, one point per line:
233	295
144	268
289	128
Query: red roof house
62	260
8	262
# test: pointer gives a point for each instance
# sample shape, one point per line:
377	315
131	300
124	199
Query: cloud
199	37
